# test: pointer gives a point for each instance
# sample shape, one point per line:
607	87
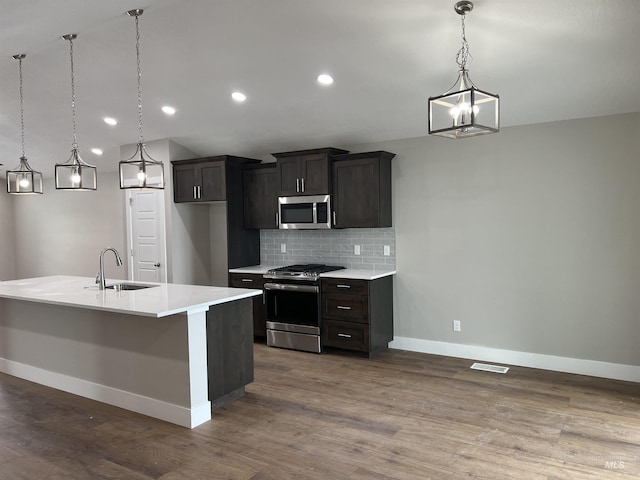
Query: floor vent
489	368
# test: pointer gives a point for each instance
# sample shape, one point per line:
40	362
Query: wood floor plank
399	416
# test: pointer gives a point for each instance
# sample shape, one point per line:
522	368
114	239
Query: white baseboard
169	412
579	366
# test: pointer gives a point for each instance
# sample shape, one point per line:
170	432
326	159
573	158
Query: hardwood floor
398	416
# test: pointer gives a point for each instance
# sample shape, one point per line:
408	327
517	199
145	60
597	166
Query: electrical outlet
386	250
283	248
356	249
456	326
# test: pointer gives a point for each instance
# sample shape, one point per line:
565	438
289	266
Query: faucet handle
98	277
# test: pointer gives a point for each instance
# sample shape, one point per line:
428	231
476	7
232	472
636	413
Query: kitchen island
152	351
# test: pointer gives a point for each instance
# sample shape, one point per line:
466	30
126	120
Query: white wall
530	237
7	237
63	233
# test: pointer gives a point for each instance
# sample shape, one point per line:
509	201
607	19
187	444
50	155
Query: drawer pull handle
343	286
344	335
247	280
343	307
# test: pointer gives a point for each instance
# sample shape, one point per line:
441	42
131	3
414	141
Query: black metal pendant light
140	171
75	174
464	110
23	179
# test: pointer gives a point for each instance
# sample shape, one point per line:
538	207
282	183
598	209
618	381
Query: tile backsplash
331	247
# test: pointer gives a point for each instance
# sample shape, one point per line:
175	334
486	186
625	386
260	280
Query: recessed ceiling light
325	79
96	151
110	121
238	96
168	110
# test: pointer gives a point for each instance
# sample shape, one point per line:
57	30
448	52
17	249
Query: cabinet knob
342	307
302	184
343	286
297	185
247	280
344	335
157	264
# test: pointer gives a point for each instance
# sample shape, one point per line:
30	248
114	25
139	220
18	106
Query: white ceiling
547	59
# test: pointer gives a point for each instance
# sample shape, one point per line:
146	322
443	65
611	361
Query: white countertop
159	301
348	273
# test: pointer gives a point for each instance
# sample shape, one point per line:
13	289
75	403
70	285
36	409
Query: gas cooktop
309	271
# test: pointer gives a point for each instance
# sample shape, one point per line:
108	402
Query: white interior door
146	235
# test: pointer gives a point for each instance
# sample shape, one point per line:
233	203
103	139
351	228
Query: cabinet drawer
246	280
345	286
352	336
352	308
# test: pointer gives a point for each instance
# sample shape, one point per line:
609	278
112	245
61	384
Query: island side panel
136	362
230	350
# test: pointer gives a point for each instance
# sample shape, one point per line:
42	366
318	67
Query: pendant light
140	171
74	174
23	179
464	110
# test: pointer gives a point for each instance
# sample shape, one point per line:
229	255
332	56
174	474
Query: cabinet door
356	193
248	280
315	174
212	181
184	183
288	171
260	198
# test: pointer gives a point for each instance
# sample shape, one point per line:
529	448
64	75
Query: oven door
293	316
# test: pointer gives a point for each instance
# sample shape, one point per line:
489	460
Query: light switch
356	249
283	248
386	250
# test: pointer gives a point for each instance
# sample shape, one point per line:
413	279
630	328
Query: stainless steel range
294	306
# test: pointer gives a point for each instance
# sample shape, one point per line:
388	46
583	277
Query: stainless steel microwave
308	212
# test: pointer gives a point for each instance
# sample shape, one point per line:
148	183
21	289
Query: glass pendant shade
75	174
141	171
464	111
24	179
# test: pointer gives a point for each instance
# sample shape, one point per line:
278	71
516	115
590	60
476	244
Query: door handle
344	335
157	264
297	185
302	184
343	307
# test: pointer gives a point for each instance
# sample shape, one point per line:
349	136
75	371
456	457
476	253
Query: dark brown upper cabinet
305	172
204	179
362	190
260	196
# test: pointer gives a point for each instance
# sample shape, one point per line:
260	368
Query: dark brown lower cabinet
357	315
229	350
253	280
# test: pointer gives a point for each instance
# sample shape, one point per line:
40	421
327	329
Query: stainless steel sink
130	286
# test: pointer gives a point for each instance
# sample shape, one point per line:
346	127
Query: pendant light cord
140	138
21	108
463	56
73	97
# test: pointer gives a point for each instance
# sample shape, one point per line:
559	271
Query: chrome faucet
100	277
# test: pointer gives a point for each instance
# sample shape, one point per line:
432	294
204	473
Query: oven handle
287	287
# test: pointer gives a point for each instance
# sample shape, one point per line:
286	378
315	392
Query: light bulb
464	107
454	112
476	109
141	177
75	178
24	182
